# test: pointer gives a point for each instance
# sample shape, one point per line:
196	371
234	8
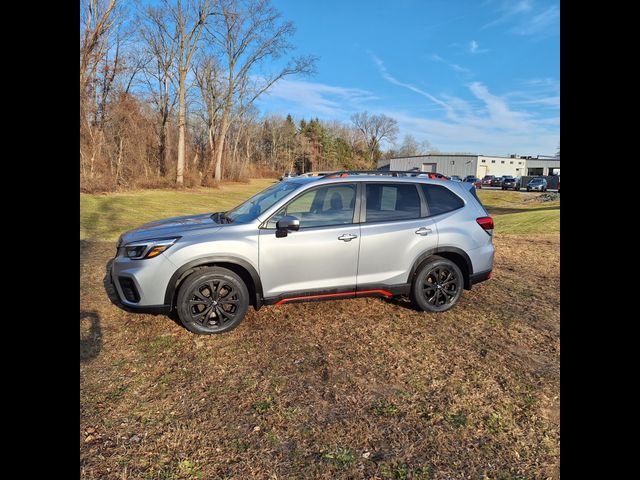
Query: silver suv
343	235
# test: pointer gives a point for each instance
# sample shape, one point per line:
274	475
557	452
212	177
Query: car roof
369	178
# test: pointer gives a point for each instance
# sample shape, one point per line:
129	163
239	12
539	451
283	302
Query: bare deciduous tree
248	33
161	45
189	20
97	18
375	129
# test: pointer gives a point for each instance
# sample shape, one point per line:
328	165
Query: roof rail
390	173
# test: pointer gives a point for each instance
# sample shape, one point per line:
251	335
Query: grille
129	289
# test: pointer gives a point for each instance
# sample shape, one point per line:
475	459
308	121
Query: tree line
168	95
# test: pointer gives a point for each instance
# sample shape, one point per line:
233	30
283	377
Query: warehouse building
478	165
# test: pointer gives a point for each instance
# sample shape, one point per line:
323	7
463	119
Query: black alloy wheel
212	300
438	285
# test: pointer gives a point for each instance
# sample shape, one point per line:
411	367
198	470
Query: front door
322	257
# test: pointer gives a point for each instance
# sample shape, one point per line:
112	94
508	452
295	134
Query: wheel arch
454	254
241	267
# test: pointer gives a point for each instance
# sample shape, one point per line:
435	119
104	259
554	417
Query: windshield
536	180
249	210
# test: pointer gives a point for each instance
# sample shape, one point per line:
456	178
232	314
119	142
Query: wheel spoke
224	301
229	292
223	314
447	294
198	302
197	293
429	286
203	316
213	292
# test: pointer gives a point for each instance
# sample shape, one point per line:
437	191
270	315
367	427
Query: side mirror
285	224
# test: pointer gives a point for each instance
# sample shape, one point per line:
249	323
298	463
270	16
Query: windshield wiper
221	217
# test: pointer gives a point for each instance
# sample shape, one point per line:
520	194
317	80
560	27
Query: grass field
365	388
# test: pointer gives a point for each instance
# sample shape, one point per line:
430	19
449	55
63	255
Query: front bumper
141	284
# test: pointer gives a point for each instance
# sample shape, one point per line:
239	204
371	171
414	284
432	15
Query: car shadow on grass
91	339
401	301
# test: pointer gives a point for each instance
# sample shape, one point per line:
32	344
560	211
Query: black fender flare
179	274
434	251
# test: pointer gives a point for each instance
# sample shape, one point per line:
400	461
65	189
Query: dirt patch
363	388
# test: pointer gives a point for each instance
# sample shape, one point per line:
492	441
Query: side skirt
368	290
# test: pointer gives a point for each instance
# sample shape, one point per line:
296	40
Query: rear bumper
480	277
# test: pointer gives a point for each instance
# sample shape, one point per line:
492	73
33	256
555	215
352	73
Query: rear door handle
347	237
423	231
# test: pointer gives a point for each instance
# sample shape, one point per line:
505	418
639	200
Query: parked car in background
558	185
472	179
511	182
496	182
455	178
288	175
486	180
537	184
433	175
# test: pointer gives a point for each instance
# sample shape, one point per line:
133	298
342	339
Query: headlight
148	248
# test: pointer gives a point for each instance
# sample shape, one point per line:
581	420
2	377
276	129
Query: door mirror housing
286	224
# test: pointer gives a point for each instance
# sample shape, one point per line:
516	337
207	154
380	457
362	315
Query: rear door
394	232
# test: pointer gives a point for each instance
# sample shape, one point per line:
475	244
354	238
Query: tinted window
440	199
260	202
331	205
387	202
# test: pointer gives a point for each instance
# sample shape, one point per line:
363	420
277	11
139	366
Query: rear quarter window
440	199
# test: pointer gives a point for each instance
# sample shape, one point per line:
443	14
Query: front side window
440	199
321	207
389	202
250	209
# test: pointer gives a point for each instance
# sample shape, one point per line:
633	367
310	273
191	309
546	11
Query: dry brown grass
363	388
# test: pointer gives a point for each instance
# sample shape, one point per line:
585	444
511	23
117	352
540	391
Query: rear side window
389	202
440	199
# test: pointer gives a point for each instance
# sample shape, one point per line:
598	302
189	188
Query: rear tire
438	285
212	300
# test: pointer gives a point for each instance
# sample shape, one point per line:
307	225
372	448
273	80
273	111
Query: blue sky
473	76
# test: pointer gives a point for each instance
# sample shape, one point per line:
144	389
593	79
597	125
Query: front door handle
347	237
423	231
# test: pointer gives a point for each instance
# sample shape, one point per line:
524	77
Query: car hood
169	227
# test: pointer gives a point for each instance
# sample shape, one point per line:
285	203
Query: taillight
486	223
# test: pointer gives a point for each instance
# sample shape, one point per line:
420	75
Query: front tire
438	285
212	300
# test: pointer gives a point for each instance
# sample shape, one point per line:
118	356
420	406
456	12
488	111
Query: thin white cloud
540	23
526	19
508	9
320	98
500	115
454	66
541	92
391	79
485	123
474	48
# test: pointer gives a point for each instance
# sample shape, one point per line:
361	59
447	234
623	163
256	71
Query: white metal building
478	165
